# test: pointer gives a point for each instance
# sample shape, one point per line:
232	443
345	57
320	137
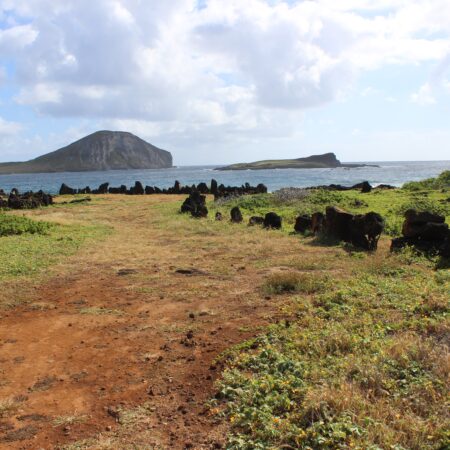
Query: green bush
423	204
14	225
440	182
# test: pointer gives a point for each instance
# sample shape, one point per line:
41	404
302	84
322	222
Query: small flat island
324	161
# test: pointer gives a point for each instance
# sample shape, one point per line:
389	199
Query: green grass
30	254
361	365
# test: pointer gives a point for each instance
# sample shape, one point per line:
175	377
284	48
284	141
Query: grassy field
30	247
334	348
361	363
362	359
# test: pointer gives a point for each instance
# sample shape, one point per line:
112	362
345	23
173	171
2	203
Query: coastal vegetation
187	332
440	182
390	203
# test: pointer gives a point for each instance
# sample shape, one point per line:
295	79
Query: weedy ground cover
15	225
363	364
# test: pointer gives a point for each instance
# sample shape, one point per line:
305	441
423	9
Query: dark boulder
338	223
303	223
195	204
86	190
425	231
384	186
272	220
219	216
137	189
362	230
317	222
364	186
418	223
44	198
236	215
14	202
201	211
102	189
256	220
203	188
66	190
214	187
365	230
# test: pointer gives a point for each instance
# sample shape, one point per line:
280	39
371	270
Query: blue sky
220	81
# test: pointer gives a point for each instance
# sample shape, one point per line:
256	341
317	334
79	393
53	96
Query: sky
223	81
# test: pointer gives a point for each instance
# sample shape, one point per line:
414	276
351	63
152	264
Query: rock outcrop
236	215
302	223
255	220
361	230
272	221
195	204
425	231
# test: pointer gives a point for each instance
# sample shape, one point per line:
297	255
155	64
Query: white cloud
8	128
16	38
41	93
447	85
424	96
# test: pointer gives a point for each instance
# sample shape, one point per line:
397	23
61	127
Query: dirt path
119	344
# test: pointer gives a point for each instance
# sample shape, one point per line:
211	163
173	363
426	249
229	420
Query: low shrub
14	225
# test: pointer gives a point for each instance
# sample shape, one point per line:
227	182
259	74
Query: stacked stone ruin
360	230
424	231
195	204
219	191
26	200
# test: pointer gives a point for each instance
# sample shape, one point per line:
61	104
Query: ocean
394	173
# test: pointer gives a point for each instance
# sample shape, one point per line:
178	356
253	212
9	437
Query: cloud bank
210	70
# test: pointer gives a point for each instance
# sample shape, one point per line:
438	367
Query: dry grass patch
69	420
100	311
8	406
294	282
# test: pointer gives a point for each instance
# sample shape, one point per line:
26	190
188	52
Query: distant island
103	150
327	160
